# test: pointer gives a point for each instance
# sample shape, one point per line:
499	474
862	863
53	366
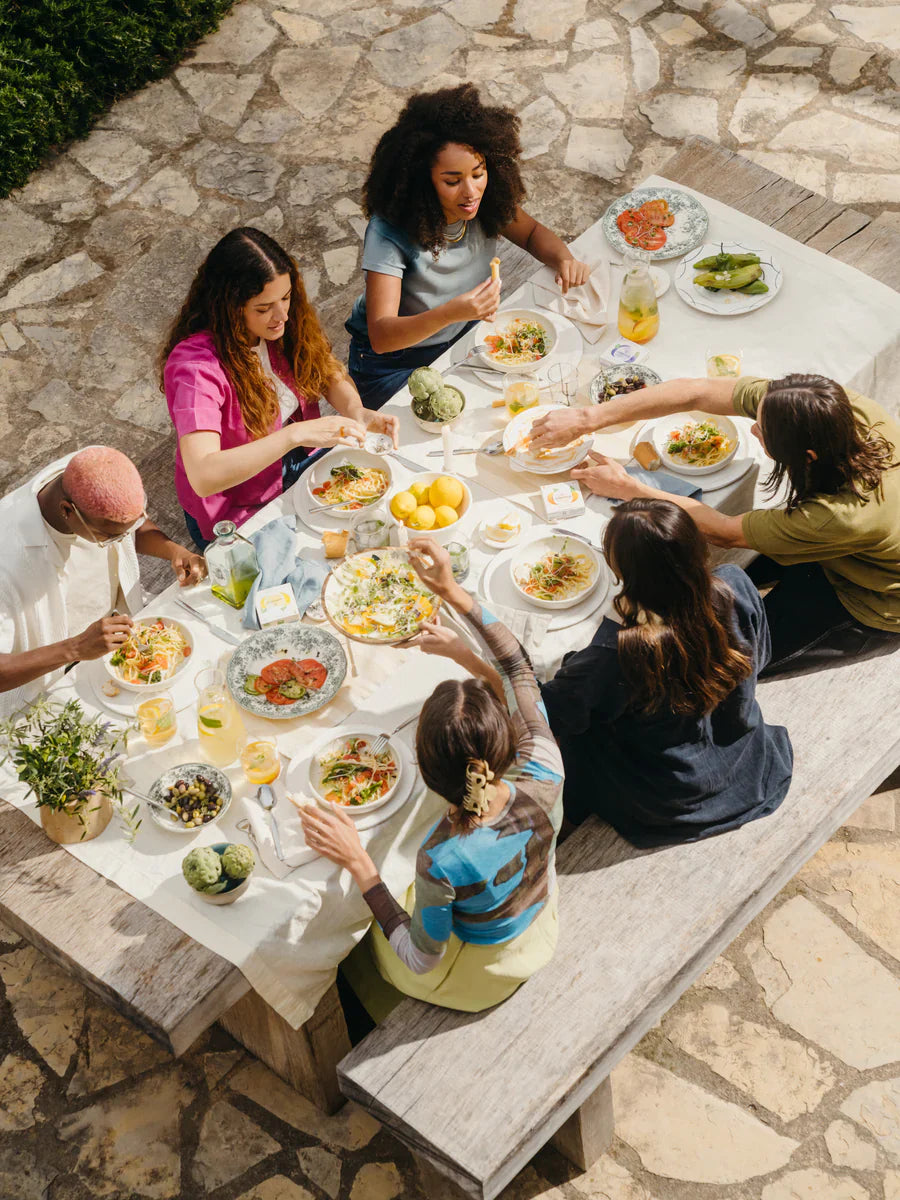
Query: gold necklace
459	236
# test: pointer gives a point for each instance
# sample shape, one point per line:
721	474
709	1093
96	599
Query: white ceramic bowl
500	322
554	462
316	476
148	689
448	532
532	551
235	888
315	772
438	426
664	427
158	788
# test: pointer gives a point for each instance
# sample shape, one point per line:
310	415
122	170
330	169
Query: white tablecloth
288	936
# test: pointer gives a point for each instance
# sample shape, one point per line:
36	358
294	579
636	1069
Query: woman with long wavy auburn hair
657	718
444	183
243	368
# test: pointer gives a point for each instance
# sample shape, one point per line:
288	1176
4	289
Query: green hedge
63	62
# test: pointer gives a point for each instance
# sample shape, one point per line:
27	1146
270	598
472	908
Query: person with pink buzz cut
69	571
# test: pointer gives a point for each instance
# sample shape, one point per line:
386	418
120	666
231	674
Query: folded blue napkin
274	545
664	482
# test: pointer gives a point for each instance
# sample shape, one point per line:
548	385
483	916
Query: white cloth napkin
586	304
293	844
530	628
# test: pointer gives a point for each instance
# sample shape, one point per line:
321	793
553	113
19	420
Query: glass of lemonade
219	725
723	366
259	760
520	392
156	718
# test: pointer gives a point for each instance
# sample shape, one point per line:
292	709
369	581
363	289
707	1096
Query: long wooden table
151	971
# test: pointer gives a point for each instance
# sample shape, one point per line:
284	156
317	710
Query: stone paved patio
775	1077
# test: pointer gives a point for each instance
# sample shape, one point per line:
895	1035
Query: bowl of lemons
433	504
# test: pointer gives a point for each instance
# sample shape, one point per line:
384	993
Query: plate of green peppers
728	279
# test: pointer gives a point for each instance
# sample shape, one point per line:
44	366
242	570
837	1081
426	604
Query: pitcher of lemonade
219	725
231	563
638	308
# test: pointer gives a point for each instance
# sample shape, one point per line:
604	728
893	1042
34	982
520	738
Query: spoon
266	798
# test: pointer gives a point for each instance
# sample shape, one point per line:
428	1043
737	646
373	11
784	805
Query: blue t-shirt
427	281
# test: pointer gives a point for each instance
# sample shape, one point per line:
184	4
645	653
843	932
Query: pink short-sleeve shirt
201	396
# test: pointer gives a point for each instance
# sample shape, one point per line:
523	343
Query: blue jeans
379	376
294	463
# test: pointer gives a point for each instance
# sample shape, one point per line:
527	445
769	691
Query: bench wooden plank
135	960
651	921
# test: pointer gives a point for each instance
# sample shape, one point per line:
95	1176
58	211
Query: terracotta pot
65	827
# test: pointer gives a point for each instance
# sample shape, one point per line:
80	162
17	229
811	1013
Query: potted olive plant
70	765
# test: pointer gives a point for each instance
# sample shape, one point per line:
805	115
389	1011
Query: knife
219	632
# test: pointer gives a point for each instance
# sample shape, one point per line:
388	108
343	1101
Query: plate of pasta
348	772
517	445
348	480
555	572
152	657
376	596
695	443
518	340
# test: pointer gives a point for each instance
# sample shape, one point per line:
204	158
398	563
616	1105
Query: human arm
188	567
342	395
605	477
524	231
98	639
434	638
389	331
714	396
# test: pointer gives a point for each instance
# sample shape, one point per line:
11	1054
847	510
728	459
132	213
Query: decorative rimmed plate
286	641
726	303
187	771
353	571
550	464
614	374
315	770
673	463
498	325
533	551
688	230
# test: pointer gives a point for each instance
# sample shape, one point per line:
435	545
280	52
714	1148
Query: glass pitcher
219	725
638	309
232	565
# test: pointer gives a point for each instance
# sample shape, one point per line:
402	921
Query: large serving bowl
664	427
319	474
187	771
445	533
148	689
348	574
315	772
438	426
533	551
499	323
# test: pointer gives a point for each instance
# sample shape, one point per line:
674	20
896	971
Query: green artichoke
423	381
202	868
445	404
238	860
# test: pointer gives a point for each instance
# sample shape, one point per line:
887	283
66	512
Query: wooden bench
477	1095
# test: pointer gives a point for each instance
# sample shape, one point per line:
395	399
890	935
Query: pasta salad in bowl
152	657
517	340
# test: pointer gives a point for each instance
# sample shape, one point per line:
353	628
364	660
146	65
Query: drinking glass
371	534
459	560
156	718
563	377
723	366
259	760
219	725
520	392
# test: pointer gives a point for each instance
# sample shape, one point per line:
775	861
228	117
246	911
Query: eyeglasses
109	541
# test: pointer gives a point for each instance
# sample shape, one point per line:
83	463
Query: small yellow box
276	606
562	501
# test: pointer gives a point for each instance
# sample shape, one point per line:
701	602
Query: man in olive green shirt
833	549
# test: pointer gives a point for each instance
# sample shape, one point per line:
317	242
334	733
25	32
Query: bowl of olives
194	795
621	381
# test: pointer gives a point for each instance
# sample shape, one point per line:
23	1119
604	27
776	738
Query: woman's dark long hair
399	186
809	412
236	269
678	647
462	721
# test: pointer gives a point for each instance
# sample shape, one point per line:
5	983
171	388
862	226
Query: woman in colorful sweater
484	901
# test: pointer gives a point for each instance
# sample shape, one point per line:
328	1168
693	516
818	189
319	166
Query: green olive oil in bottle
232	565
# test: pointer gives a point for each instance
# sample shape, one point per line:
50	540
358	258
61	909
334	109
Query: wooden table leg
588	1133
306	1058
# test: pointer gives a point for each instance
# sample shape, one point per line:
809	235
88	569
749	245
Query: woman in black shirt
657	718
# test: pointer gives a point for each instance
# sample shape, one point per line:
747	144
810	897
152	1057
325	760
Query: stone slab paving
776	1076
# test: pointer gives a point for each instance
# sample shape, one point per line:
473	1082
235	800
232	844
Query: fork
492	448
582	537
381	742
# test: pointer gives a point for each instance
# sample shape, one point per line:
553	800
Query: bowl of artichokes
435	403
219	873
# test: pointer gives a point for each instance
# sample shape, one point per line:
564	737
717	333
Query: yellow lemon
446	490
445	515
422	518
403	505
420	491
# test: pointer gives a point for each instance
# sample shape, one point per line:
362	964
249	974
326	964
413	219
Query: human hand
379	422
480	304
605	477
332	833
560	427
103	636
572	273
438	639
329	431
432	564
188	567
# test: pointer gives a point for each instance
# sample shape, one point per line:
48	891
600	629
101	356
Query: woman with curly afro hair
444	183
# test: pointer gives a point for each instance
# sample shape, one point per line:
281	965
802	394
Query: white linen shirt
33	586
